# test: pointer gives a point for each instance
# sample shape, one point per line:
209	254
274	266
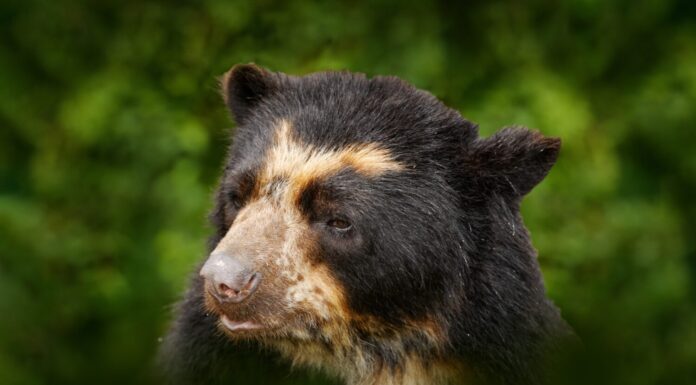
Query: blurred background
112	135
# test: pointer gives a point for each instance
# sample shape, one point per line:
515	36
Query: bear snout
228	279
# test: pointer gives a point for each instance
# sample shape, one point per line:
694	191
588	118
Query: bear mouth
239	326
236	323
257	318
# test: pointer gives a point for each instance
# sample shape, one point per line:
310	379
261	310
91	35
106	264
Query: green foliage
112	135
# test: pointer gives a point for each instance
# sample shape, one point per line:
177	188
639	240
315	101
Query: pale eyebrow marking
301	163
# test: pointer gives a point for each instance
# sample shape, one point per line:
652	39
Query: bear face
364	228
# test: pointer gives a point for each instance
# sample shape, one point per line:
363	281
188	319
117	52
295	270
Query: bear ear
514	160
244	86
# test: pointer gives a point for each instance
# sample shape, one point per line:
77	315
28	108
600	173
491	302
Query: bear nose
229	280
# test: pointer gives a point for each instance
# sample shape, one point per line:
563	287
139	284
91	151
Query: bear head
358	224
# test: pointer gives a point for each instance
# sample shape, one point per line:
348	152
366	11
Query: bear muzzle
228	279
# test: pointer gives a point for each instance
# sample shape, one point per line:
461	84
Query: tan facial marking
301	163
270	234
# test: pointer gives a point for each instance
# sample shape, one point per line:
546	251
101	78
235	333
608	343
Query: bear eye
339	224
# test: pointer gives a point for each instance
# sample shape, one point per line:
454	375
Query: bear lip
236	326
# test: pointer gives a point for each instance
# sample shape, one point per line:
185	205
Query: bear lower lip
239	326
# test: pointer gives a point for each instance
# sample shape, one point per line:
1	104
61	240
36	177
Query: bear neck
369	360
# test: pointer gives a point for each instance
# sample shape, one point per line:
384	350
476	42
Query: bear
364	228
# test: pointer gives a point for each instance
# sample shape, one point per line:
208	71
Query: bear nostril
235	292
252	283
227	291
228	279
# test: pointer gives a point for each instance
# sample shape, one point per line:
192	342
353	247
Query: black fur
442	239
